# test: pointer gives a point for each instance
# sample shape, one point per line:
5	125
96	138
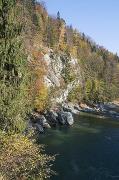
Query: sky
98	19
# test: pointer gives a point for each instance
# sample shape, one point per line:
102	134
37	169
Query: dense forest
27	32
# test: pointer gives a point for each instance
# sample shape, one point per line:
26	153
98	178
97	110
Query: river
89	150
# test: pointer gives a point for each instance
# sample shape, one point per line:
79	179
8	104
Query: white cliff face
54	78
55	67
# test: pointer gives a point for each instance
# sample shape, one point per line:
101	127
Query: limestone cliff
58	65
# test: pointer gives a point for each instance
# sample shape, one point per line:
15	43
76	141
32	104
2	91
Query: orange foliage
41	9
39	89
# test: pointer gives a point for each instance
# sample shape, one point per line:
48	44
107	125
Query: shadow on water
87	151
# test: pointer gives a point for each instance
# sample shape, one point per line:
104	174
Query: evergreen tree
58	15
13	69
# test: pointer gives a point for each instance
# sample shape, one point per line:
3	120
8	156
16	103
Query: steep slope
77	68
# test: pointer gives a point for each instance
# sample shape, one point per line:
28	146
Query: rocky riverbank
107	109
62	77
63	115
49	119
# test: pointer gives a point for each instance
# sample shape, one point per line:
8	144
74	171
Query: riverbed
89	150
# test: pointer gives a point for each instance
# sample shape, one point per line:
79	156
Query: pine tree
13	69
58	15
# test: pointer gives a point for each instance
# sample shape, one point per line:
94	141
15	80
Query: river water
89	150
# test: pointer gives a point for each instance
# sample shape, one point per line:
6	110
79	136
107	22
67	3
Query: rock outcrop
55	77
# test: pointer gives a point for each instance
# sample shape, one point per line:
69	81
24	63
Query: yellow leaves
83	44
62	46
20	158
74	51
38	89
76	94
41	97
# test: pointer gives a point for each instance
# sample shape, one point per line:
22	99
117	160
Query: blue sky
97	18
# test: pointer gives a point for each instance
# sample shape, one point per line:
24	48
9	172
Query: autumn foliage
21	158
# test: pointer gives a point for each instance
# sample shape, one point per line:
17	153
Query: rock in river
65	118
51	117
39	128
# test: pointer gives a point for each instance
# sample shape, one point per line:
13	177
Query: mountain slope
77	67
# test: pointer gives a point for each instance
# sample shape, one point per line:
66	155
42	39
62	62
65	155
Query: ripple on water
87	129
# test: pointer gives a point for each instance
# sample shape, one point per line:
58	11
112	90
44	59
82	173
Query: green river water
89	150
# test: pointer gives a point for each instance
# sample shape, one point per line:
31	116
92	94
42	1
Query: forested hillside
37	49
99	67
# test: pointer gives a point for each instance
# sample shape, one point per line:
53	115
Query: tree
53	32
14	78
58	15
69	31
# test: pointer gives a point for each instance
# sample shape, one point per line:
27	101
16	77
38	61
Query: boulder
38	118
62	118
65	118
77	107
42	120
51	117
46	125
71	110
67	109
69	119
39	128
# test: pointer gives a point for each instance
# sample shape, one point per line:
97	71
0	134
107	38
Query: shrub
21	158
76	95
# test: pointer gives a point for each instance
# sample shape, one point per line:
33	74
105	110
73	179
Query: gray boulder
71	108
65	118
69	119
51	117
46	125
43	122
39	128
40	119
